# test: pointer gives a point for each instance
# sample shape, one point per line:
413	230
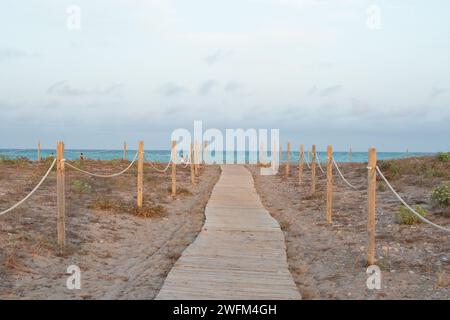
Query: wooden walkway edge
240	254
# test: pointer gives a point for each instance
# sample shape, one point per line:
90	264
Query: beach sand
121	255
330	262
124	256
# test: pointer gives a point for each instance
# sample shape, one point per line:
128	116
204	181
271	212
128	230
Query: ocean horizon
162	156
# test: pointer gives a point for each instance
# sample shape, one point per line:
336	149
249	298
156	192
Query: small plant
405	216
441	194
430	172
443	156
381	186
391	169
78	163
149	211
81	186
180	191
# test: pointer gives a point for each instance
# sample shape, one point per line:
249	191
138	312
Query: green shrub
381	186
443	156
391	169
81	186
405	216
430	172
441	194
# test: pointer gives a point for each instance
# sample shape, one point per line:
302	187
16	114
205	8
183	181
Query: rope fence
318	162
193	161
342	176
61	163
103	175
419	216
32	191
373	172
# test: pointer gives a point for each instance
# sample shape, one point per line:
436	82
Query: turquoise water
164	155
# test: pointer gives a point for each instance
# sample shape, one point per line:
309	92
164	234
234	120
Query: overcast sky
322	71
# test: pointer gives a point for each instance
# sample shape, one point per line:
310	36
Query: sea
163	156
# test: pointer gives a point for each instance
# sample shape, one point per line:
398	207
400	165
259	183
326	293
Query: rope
102	175
342	176
318	162
166	168
407	206
306	161
32	191
163	170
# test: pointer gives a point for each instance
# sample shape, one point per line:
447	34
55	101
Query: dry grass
180	191
428	167
147	211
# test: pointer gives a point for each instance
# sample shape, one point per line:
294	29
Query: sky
343	72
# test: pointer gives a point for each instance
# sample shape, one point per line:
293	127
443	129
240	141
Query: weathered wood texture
240	252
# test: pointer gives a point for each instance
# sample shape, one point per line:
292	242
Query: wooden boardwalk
240	252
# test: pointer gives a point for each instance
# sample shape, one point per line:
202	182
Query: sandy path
121	256
329	262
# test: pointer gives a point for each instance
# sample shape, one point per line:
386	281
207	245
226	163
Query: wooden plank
140	175
313	170
330	184
60	197
174	168
240	252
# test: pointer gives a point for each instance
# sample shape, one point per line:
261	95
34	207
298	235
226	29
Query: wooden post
196	158
350	155
281	154
39	151
313	170
300	165
174	168
192	165
205	152
371	206
140	177
288	159
200	155
60	197
330	185
124	151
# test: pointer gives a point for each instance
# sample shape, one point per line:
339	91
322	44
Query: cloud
359	108
232	87
329	91
207	86
436	92
62	88
171	89
216	57
311	91
325	92
7	54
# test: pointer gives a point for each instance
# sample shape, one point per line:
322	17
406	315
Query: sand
121	255
329	262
